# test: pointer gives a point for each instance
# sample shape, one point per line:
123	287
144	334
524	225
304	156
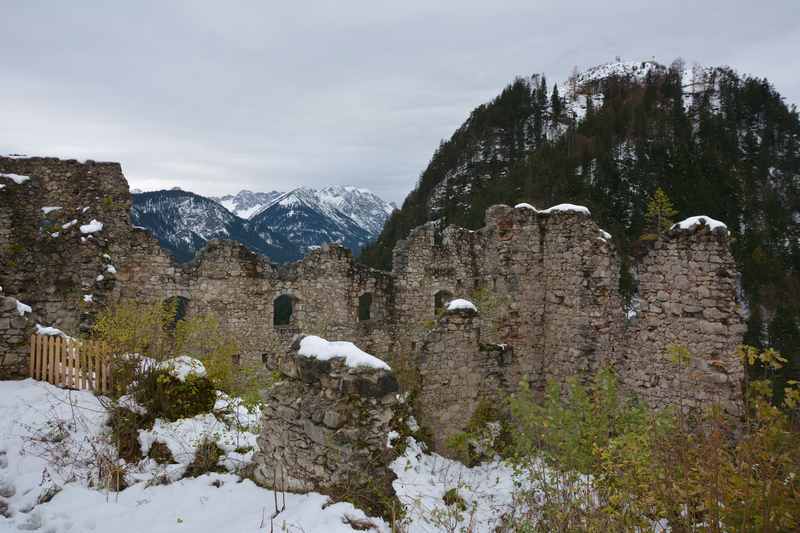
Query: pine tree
555	103
660	212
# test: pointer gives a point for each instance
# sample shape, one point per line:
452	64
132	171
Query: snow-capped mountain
282	226
308	217
183	222
366	208
245	204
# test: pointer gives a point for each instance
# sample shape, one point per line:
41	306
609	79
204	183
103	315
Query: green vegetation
133	331
206	459
660	213
597	460
140	337
488	433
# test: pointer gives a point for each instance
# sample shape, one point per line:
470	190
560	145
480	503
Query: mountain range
282	226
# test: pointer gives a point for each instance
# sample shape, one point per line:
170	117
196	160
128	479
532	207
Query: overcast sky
218	96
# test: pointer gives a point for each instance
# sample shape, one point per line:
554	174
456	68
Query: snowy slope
366	208
50	439
244	204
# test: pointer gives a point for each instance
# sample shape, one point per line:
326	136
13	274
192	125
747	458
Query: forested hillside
718	143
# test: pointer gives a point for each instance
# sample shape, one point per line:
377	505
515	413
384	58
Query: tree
660	212
555	103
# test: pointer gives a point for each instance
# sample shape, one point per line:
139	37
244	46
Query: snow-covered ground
51	439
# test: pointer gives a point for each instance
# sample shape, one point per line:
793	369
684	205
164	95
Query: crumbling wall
326	427
545	283
687	287
457	372
15	329
45	260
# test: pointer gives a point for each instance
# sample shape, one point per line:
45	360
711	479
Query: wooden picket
70	363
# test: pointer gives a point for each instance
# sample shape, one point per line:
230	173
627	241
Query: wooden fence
71	363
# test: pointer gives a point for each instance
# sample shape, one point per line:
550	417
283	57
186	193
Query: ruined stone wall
545	284
687	287
457	372
239	287
45	260
15	329
326	428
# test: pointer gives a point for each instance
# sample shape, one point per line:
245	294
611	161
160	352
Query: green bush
125	426
206	459
136	332
487	434
165	396
596	460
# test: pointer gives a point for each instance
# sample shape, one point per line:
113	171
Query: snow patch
69	224
110	269
424	478
524	206
319	348
50	331
700	220
88	298
16	178
182	367
567	208
23	308
92	227
460	303
50	209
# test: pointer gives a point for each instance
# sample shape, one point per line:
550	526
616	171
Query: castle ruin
546	286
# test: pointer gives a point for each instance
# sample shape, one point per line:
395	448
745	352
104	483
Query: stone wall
457	372
687	287
15	330
45	260
326	428
545	284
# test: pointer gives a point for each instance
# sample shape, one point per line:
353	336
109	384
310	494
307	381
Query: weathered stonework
15	330
51	267
326	427
687	287
545	284
457	371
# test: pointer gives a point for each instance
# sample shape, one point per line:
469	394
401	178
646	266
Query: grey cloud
218	96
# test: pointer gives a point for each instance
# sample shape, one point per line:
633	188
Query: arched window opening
365	307
282	310
440	300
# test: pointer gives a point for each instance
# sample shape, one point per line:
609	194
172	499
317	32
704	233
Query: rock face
545	285
326	427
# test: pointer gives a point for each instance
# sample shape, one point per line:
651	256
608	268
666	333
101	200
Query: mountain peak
281	225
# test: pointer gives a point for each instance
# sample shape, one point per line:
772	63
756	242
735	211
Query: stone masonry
326	427
545	284
455	376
